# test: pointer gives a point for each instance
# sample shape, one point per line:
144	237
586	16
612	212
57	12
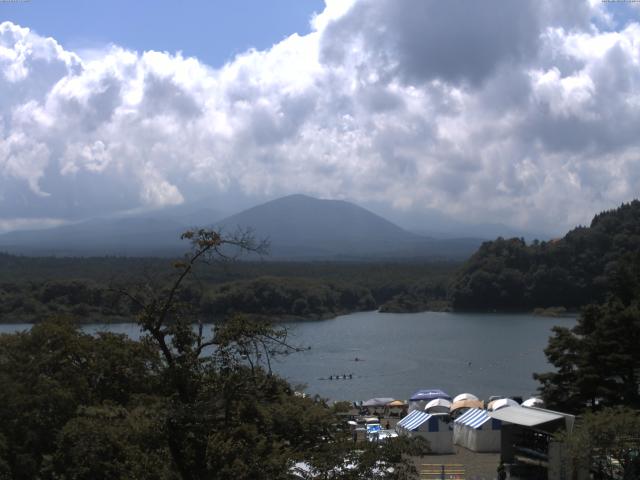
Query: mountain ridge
298	226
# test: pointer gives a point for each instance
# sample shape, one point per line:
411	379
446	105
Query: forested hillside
508	274
33	289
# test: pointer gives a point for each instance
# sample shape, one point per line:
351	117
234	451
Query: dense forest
89	289
508	274
505	274
178	404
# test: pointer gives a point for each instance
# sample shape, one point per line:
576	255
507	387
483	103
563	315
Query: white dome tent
533	402
438	405
501	403
464	396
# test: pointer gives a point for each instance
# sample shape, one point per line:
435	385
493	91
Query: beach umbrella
501	403
397	404
464	396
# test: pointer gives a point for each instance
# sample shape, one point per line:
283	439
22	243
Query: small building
527	441
436	428
477	431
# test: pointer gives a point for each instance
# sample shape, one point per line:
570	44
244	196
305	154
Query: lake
485	354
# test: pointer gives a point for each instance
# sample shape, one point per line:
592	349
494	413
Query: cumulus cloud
521	112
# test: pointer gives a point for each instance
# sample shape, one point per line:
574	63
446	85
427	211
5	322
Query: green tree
49	372
228	416
598	361
607	443
112	442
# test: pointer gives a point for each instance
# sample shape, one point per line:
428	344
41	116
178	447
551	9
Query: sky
525	113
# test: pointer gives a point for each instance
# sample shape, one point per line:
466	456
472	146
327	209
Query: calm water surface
485	354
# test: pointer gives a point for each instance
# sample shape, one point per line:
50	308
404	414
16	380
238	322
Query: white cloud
525	113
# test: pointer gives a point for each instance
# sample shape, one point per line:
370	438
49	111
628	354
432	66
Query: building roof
473	418
526	416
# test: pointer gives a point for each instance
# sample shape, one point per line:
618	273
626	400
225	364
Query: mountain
303	227
298	227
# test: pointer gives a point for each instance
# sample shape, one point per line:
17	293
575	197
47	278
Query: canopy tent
533	402
464	396
435	428
465	404
501	403
420	399
477	431
438	405
377	402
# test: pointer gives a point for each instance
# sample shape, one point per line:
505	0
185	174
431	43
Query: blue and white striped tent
436	428
477	431
413	420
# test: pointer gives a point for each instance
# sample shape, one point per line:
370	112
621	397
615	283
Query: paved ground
477	466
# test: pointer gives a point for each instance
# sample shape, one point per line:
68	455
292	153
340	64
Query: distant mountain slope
299	226
571	272
127	237
139	235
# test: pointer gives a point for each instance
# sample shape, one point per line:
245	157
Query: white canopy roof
528	417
